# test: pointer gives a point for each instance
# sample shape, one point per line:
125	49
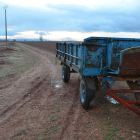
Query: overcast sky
70	20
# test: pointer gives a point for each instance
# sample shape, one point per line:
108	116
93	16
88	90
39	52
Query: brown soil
37	105
45	45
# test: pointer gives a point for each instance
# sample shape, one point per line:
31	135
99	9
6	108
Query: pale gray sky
70	20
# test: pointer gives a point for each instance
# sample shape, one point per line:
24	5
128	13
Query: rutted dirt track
43	107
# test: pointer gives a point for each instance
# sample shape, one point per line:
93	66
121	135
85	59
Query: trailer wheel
87	91
65	73
135	86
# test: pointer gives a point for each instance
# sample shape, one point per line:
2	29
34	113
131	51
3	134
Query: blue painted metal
96	56
106	82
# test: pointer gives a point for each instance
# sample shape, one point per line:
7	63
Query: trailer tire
65	73
87	91
134	86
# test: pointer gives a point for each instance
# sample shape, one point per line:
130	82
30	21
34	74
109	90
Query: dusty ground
35	104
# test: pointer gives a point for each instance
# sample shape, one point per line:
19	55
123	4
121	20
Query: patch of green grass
57	129
47	102
128	132
2	66
38	134
103	128
22	65
112	133
46	131
55	111
102	119
21	132
39	127
109	136
51	138
120	138
108	123
40	138
29	128
29	116
54	118
112	129
88	126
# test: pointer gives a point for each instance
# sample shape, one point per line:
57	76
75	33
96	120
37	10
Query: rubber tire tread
89	91
66	73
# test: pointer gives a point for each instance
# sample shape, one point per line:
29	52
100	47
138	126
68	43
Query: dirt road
40	106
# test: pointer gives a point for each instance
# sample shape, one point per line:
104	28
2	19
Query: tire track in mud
45	57
9	111
29	77
47	67
72	117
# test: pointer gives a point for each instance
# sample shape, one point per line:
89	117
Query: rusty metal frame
125	103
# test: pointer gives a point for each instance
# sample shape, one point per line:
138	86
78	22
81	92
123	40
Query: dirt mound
2	50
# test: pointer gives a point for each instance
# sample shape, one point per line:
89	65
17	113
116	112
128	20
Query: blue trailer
108	59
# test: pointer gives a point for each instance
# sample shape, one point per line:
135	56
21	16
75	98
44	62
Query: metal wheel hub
63	73
82	91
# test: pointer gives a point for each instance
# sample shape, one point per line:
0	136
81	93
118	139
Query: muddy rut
22	85
48	70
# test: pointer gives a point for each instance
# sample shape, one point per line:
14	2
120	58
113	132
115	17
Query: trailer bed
119	56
